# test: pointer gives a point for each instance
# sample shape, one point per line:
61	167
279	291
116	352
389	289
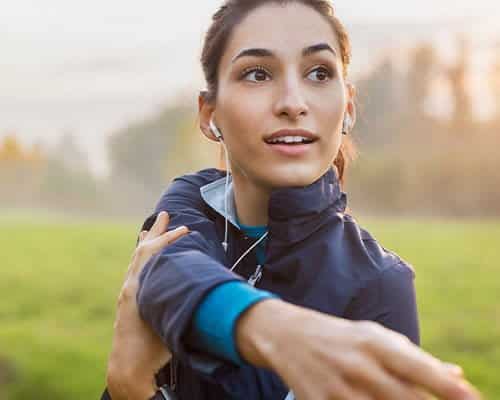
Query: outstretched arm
324	357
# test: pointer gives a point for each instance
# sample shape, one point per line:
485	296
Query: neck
251	200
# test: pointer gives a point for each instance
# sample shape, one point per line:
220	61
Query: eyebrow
259	52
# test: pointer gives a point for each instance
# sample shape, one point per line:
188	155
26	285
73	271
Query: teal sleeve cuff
215	318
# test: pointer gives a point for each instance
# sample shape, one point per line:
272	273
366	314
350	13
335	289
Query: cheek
330	113
243	118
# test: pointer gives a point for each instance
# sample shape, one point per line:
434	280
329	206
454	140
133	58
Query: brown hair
230	14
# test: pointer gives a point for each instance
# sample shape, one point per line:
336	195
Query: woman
278	101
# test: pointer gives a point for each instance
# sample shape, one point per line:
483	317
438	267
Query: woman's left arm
390	299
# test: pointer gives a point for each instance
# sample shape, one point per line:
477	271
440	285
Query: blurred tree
70	155
378	105
190	150
138	152
64	188
494	80
20	171
138	156
422	68
11	149
36	155
457	76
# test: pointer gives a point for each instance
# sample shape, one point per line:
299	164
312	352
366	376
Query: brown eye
322	74
257	75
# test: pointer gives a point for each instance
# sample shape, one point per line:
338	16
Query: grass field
59	282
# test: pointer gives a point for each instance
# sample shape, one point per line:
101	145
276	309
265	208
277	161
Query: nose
290	102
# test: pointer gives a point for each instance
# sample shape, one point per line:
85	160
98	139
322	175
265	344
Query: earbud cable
226	194
226	230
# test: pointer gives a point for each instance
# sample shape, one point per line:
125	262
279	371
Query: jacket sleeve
390	299
175	281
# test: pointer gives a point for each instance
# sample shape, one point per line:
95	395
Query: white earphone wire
249	250
217	133
226	194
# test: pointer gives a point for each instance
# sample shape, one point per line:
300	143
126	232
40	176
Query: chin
293	175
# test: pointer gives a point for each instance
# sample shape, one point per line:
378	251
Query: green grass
59	283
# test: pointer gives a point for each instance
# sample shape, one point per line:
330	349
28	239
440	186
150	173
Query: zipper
256	276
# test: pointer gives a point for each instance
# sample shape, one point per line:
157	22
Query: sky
92	67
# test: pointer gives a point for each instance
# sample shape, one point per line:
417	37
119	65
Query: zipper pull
256	276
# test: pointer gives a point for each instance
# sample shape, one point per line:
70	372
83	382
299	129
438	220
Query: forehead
284	29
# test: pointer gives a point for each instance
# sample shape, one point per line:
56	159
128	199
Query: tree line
411	161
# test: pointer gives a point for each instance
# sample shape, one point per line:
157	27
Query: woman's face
281	70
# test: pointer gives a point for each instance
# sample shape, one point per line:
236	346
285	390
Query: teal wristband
214	330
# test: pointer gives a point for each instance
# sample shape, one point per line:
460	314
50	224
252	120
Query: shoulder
183	194
186	188
387	263
196	180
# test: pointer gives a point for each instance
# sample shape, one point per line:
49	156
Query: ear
205	111
351	105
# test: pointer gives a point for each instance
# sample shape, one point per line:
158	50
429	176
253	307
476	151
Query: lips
291	137
291	143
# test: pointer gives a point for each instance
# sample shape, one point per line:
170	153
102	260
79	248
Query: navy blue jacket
317	256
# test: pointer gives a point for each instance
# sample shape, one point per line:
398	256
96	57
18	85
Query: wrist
260	331
130	385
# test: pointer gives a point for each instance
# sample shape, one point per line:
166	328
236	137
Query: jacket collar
297	212
294	212
213	194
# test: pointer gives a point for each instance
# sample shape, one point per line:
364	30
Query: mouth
291	137
291	143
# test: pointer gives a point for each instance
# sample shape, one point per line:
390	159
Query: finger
373	378
420	368
160	225
338	389
142	235
149	249
167	238
455	369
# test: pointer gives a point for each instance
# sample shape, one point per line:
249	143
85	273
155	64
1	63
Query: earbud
347	124
215	130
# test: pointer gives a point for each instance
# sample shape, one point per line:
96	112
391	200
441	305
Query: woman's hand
324	357
137	352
